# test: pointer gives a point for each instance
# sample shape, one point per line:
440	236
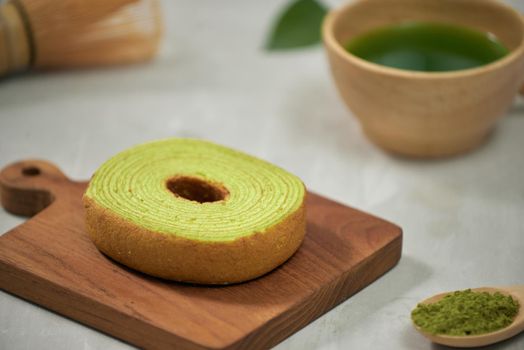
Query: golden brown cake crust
172	257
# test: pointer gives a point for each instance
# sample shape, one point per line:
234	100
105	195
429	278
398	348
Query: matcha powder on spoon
466	313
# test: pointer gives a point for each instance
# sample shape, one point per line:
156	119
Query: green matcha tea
425	46
466	312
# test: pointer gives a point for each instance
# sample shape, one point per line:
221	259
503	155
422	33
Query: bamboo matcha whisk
76	33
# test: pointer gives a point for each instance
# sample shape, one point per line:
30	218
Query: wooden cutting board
50	261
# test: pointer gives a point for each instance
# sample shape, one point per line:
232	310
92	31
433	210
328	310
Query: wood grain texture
50	261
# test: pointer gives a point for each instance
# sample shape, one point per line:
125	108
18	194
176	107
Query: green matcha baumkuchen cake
194	211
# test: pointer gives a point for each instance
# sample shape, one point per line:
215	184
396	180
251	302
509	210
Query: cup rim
331	42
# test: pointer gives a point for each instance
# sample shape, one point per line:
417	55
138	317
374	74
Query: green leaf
298	25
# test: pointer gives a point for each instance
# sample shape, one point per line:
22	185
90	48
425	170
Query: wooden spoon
469	341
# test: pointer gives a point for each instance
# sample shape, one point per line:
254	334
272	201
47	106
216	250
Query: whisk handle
15	49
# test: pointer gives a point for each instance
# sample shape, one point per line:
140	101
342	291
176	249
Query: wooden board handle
29	186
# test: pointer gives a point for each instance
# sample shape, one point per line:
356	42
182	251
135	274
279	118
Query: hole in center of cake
195	189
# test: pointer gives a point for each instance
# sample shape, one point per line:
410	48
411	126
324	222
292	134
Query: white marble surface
463	218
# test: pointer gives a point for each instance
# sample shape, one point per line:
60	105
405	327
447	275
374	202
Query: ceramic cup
426	114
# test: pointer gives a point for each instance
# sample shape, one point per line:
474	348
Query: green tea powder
466	313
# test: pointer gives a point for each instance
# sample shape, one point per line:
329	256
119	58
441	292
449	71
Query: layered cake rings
193	211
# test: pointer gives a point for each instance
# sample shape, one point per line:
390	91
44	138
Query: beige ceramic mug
426	114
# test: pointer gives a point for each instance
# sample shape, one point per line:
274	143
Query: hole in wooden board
31	171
